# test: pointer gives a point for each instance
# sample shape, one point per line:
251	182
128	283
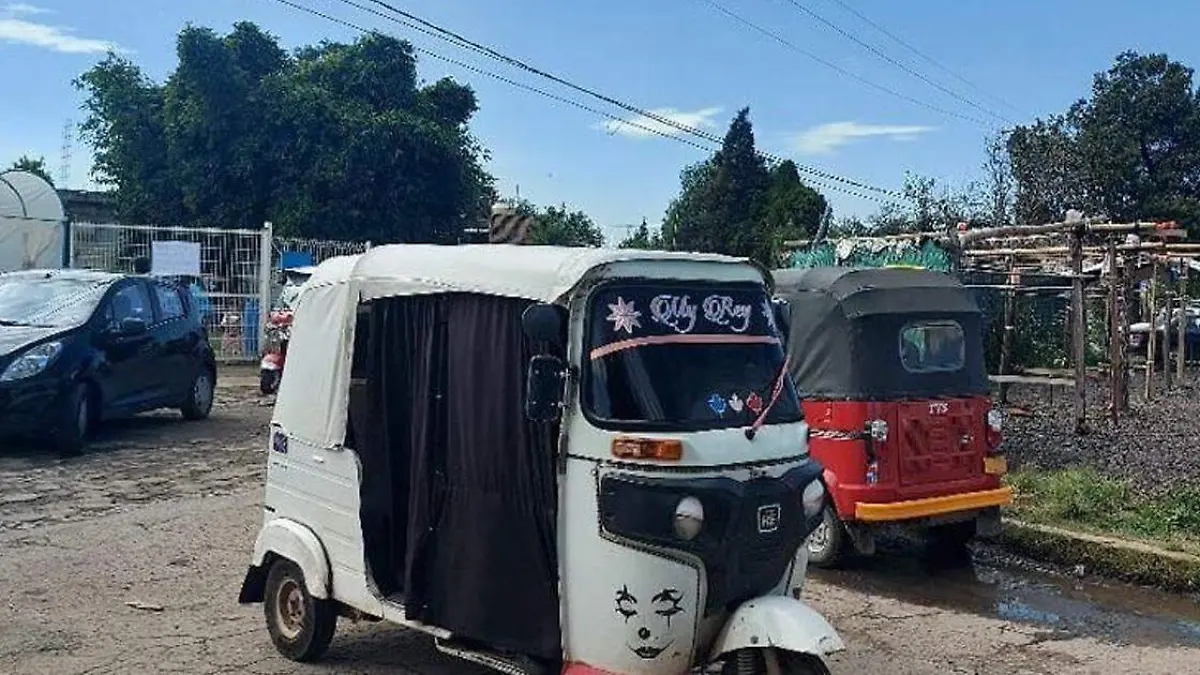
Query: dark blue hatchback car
80	347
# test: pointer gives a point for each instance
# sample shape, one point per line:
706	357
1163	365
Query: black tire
752	660
827	544
198	402
268	381
77	421
301	626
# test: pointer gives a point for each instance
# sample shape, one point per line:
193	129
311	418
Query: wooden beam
1032	379
1116	343
1078	332
1151	337
1010	317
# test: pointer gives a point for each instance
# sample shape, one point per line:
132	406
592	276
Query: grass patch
1085	498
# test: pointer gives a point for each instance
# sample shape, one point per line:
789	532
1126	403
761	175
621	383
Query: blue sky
681	57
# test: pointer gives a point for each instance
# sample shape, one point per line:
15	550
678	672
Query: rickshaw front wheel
300	625
756	661
827	543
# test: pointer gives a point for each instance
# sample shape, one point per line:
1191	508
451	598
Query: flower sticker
624	316
754	402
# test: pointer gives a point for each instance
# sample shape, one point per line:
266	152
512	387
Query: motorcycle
270	369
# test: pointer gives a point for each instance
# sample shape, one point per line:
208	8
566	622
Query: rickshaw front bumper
932	506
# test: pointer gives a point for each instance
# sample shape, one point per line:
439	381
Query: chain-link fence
234	284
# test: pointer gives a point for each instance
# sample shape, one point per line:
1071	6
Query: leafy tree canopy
34	166
333	141
643	238
735	204
1129	151
560	226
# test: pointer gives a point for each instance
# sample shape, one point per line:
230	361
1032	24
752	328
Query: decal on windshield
717	403
637	317
736	404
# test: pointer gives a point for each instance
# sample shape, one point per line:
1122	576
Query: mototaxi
889	365
576	460
279	326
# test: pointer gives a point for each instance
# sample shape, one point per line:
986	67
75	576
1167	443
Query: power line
925	57
709	147
902	66
459	40
833	66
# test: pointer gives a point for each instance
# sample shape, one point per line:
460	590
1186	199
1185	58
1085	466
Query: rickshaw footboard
932	506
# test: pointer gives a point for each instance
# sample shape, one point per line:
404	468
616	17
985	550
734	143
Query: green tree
1129	151
34	166
560	226
792	209
333	141
643	238
723	202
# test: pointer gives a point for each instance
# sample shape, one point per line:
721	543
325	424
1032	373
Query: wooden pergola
1086	254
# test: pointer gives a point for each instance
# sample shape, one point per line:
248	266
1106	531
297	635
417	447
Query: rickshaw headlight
878	430
813	498
689	518
995	420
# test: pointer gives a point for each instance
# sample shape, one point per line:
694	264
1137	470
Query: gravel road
129	559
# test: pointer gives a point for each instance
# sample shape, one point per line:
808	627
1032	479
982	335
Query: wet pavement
996	585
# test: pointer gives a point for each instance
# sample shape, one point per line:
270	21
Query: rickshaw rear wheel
827	543
752	661
300	625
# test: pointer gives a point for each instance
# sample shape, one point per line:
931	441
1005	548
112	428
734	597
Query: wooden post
1078	330
1126	316
1116	341
1181	338
1010	317
1152	336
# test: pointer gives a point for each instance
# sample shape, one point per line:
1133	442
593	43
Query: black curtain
459	491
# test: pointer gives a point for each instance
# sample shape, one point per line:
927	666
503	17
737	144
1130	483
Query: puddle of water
1114	612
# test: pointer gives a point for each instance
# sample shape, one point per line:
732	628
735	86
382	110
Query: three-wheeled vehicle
279	328
577	460
889	365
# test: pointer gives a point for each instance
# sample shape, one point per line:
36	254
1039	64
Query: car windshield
685	357
48	301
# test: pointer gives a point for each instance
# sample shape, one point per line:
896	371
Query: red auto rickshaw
890	367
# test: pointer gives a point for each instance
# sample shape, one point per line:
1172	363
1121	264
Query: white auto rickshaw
585	461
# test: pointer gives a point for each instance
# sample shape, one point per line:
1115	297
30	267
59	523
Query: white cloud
705	118
825	138
54	38
15	8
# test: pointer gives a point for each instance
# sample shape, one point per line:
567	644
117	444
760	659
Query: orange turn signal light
628	447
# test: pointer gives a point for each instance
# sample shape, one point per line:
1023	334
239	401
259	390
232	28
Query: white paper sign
169	258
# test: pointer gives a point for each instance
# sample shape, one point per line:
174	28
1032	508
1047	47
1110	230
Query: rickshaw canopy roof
539	273
858	291
313	396
845	338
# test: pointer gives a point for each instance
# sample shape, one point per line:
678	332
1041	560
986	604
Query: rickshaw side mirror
783	316
544	388
543	323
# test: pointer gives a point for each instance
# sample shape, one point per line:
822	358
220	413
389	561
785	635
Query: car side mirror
544	386
783	317
131	327
544	323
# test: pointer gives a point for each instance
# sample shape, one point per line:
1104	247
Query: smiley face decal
648	631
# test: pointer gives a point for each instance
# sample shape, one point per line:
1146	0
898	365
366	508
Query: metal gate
230	291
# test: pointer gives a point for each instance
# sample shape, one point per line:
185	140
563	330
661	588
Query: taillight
995	420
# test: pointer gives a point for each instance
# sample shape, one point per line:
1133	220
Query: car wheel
268	381
76	423
300	625
827	543
199	401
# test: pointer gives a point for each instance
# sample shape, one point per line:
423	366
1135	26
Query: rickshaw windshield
684	357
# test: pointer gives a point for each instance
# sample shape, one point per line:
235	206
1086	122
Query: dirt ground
128	560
